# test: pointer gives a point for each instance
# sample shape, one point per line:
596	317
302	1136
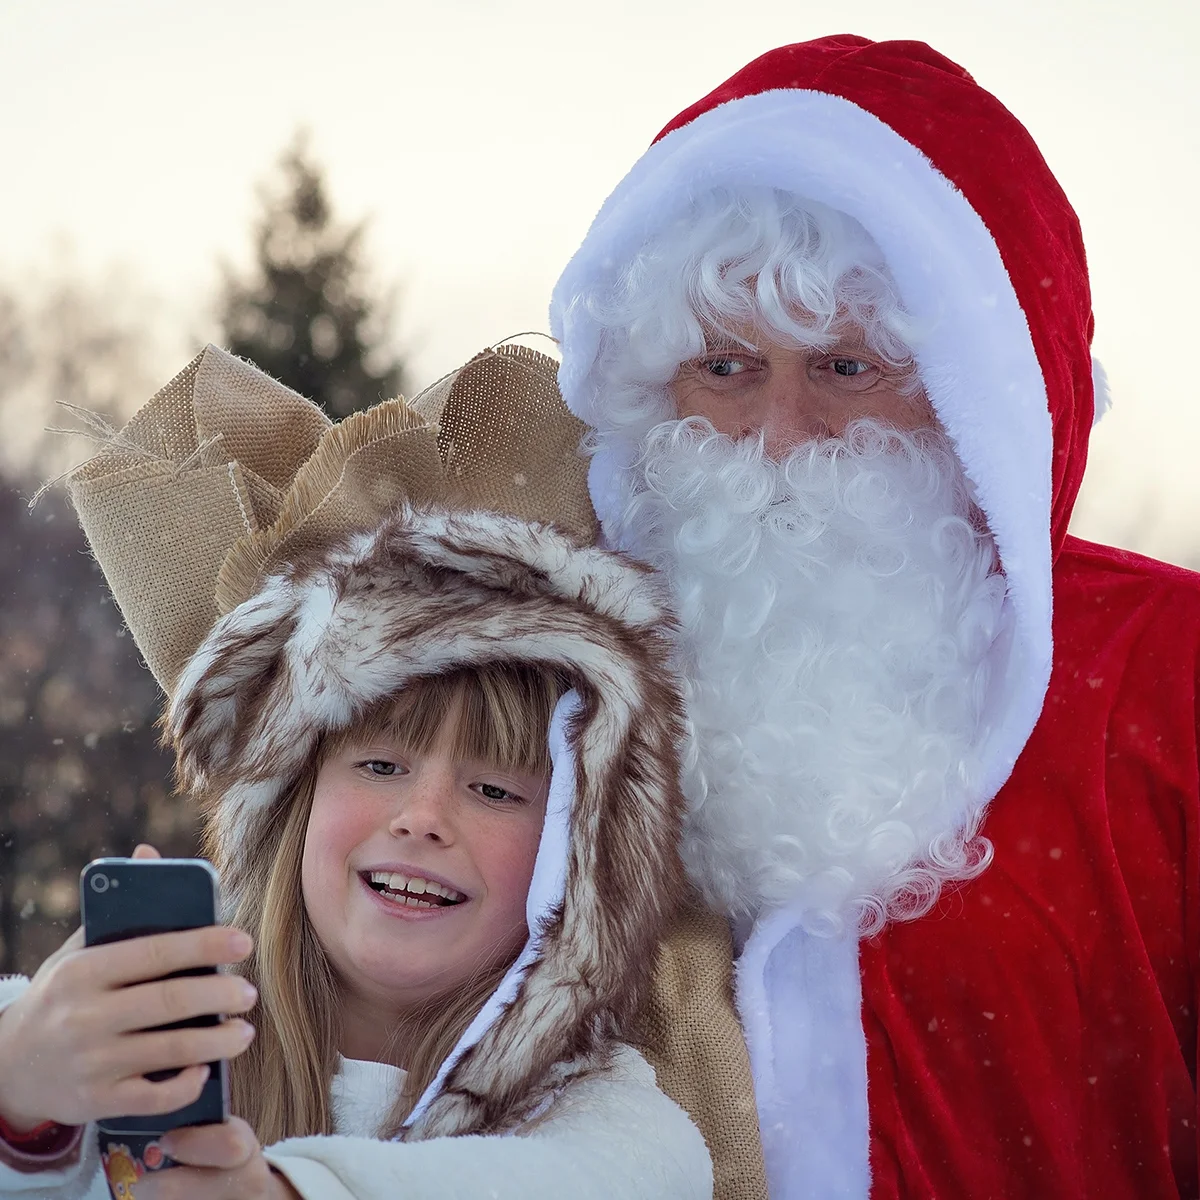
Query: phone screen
124	898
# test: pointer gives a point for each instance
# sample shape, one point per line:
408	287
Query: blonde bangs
502	716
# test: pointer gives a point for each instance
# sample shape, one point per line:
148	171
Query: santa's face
838	596
748	383
762	437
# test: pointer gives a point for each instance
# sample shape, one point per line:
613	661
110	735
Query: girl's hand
220	1162
72	1046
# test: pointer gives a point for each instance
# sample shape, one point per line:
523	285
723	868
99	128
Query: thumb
142	850
73	943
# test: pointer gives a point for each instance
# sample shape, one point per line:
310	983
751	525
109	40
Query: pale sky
481	138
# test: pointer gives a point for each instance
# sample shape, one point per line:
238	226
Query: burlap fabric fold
693	1039
225	474
202	465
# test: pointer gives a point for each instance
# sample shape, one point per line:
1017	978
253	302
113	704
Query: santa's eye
722	368
850	367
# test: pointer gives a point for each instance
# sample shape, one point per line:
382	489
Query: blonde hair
281	1084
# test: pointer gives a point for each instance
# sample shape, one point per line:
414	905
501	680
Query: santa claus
832	334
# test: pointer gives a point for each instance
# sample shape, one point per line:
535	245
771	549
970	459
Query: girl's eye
493	791
379	767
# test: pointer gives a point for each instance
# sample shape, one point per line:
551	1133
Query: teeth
414	885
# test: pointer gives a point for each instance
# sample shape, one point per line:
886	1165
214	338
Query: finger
137	1054
227	1146
166	1001
185	1183
205	1183
143	850
77	941
148	1098
140	959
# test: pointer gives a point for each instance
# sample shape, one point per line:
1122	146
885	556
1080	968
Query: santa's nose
790	409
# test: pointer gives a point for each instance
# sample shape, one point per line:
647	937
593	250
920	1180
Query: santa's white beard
837	610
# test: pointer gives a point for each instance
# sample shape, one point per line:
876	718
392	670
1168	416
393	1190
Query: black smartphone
125	898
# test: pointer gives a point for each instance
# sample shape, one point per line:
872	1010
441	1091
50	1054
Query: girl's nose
424	810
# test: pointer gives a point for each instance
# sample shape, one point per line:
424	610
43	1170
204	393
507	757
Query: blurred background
360	196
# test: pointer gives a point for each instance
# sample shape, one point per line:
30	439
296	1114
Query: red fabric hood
935	105
986	254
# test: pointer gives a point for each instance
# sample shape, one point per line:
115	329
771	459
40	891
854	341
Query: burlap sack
225	473
693	1039
192	472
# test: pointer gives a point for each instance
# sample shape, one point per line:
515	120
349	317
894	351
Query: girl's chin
375	979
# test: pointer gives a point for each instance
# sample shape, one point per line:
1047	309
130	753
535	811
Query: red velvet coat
1036	1037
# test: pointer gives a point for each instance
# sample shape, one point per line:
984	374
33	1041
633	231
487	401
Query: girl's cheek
515	865
340	816
332	833
311	866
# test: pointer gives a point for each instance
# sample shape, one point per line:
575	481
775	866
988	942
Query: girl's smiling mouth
401	889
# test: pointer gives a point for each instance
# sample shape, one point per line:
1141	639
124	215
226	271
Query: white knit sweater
610	1134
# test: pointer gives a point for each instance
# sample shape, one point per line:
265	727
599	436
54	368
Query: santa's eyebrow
720	342
847	339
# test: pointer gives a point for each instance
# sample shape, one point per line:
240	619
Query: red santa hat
986	254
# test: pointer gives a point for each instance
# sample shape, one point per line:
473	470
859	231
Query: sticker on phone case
123	1167
122	1171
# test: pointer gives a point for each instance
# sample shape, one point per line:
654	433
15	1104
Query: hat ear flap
230	718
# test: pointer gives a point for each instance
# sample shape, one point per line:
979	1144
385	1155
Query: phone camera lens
100	883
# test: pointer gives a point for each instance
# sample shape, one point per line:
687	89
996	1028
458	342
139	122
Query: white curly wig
796	268
837	607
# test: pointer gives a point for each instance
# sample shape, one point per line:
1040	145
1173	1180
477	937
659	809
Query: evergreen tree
304	315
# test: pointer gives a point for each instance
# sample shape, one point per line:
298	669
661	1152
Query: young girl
437	760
